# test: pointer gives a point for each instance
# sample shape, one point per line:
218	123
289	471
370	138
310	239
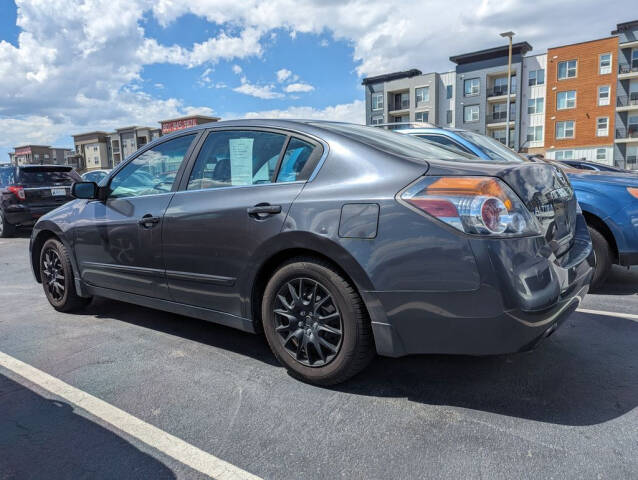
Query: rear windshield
48	177
394	143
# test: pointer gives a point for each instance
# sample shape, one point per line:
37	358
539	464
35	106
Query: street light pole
509	86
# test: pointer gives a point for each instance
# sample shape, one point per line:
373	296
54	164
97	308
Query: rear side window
35	177
296	162
237	157
7	176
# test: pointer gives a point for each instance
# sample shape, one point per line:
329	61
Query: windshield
492	148
394	143
48	177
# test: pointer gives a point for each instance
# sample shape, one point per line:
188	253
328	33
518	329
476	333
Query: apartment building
580	113
92	148
626	117
481	85
124	141
533	93
38	155
409	96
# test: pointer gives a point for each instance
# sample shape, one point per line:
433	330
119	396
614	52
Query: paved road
566	410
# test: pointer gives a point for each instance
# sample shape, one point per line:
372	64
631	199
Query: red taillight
436	207
17	191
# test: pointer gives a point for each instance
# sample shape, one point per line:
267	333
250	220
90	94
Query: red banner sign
23	151
168	127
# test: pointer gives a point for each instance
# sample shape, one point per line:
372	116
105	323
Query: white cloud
283	75
266	92
347	112
299	87
237	69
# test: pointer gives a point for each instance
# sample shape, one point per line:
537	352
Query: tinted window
494	149
445	141
231	158
7	176
41	176
391	142
295	160
153	171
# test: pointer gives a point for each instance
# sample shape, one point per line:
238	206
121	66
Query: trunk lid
47	186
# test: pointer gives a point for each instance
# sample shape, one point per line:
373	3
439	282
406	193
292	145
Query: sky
71	66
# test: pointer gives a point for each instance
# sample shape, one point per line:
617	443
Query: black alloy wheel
53	275
308	322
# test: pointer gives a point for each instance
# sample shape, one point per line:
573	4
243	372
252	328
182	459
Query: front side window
603	95
564	155
565	100
422	95
153	171
377	101
471	113
567	69
601	154
565	129
602	126
471	87
604	63
535	105
449	91
421	116
536	77
236	157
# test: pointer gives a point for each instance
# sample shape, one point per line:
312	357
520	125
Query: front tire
56	274
604	256
315	322
6	229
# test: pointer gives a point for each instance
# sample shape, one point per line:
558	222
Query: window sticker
241	160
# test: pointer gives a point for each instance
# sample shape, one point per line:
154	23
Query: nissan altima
334	240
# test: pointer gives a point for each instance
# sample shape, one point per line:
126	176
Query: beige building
127	140
92	148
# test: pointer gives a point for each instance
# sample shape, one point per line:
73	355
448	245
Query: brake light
633	191
474	205
17	191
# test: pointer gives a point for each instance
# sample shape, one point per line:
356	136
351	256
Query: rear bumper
524	296
26	215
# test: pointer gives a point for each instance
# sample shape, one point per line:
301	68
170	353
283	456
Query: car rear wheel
603	254
57	277
6	229
315	322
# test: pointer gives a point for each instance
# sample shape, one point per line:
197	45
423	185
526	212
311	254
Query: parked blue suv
609	200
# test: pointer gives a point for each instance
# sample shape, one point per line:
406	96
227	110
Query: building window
632	157
565	100
421	116
448	116
604	63
471	87
422	95
535	105
401	101
603	95
602	126
567	69
565	129
536	77
535	134
377	101
449	91
634	58
376	120
564	155
471	113
601	154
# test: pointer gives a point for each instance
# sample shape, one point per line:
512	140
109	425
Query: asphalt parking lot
566	410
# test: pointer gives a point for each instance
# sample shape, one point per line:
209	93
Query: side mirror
88	190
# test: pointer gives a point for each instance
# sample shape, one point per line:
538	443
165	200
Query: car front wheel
315	322
57	277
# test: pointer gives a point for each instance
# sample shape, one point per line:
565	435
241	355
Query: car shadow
621	281
42	438
584	374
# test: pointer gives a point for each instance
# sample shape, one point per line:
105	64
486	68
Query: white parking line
166	443
628	316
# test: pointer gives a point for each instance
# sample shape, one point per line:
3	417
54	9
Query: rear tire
604	256
56	274
6	229
315	322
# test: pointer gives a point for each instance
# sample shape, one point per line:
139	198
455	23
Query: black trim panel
151	272
200	277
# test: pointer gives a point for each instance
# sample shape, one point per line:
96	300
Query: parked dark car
333	239
596	167
29	191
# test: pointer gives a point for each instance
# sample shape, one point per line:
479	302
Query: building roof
517	48
621	27
32	145
188	117
386	77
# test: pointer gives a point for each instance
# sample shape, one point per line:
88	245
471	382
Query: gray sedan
334	240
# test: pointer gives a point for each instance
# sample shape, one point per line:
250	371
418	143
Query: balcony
628	70
499	117
627	135
399	105
500	90
627	102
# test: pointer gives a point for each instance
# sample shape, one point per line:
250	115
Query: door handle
148	221
263	209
